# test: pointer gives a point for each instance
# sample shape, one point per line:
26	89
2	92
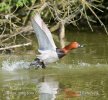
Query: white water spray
14	65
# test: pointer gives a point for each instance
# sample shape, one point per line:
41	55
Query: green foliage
4	7
21	3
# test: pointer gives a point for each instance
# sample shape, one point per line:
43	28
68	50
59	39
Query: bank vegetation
15	15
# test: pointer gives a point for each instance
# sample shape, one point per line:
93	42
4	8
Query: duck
49	53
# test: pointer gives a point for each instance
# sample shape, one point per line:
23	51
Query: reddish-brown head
72	45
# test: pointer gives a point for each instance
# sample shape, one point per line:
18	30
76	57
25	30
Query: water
81	75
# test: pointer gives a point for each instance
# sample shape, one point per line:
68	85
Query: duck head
72	45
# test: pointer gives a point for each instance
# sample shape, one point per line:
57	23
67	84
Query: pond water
81	75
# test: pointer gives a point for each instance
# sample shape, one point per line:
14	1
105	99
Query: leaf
21	3
4	7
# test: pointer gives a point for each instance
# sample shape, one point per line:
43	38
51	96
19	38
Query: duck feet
37	64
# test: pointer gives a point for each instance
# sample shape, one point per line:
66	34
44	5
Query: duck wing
43	34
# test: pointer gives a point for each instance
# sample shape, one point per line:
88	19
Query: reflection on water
55	84
21	86
48	89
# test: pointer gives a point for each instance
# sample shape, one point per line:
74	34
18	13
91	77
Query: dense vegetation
15	17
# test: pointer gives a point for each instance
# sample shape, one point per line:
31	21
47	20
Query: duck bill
80	46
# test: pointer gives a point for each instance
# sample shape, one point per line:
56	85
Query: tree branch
16	46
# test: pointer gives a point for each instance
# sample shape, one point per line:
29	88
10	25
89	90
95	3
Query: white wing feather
43	34
48	56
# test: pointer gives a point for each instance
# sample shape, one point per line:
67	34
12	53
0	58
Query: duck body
47	57
49	53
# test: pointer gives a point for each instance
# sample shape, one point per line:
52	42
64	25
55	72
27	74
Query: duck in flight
48	51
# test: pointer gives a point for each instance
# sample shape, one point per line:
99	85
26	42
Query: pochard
49	53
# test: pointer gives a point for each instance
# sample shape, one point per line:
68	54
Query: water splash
9	65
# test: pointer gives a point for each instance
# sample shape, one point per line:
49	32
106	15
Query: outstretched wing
43	34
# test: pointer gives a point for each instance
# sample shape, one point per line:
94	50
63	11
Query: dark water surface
81	75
